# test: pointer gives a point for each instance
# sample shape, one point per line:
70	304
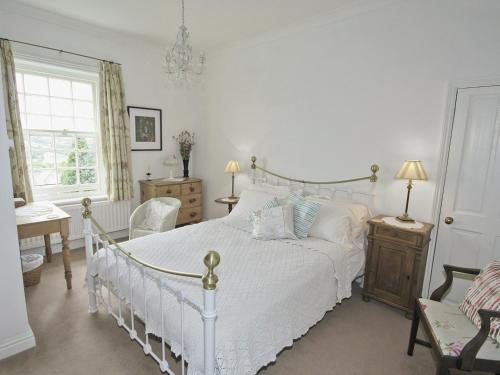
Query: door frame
444	154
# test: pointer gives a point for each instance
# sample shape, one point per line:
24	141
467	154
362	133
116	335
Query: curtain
115	133
18	164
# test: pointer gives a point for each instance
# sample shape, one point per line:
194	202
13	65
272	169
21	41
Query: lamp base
405	219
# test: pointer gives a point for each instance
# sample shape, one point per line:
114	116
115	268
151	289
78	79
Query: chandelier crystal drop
179	64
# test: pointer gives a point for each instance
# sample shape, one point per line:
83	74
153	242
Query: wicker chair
456	342
138	220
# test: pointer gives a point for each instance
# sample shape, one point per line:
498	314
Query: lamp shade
170	161
411	170
232	166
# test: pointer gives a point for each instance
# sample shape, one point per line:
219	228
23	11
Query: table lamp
171	162
411	170
233	167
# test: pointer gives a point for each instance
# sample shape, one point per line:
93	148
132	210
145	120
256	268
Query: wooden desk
33	220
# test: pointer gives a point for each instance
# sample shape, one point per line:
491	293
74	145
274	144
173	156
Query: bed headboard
335	188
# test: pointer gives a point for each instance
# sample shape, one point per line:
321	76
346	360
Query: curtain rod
59	50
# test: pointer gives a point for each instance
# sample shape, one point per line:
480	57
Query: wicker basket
32	277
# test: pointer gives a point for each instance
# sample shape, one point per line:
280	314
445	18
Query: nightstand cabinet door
390	272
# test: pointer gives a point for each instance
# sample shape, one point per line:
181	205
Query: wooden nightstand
395	263
230	201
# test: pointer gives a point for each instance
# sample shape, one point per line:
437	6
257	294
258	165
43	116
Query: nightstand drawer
395	234
192	188
168	191
187	215
191	200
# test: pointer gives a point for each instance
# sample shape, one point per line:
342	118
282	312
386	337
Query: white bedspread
269	292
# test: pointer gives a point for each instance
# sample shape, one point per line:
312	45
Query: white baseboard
17	344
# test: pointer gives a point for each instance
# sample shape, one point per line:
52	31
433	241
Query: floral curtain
18	164
115	133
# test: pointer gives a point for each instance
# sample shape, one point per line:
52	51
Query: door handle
448	220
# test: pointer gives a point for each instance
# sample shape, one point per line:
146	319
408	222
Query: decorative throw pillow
155	213
304	213
484	293
269	204
273	223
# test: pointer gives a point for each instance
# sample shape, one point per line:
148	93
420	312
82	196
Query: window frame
60	192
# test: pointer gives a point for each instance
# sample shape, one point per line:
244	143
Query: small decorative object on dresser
410	170
186	142
188	191
230	201
145	128
171	162
232	167
395	263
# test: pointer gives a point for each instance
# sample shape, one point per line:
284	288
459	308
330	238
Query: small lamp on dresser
410	170
232	167
171	162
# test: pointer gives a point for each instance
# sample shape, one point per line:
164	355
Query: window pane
84	125
41	142
65	143
83	109
38	122
86	143
62	123
61	107
20	100
66	158
82	91
19	82
60	87
44	177
86	159
37	105
87	176
42	159
67	177
35	84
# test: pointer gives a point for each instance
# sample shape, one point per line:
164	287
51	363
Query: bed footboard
122	267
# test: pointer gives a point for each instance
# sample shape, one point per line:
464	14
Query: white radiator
113	216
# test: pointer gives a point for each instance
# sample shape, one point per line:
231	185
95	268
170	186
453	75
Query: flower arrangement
186	141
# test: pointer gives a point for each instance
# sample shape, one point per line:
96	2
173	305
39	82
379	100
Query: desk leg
66	253
48	250
229	207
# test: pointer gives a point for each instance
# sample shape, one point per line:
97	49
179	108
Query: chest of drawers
188	191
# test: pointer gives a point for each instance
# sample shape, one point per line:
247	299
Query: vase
186	167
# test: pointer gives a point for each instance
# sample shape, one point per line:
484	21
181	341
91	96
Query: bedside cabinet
395	263
188	191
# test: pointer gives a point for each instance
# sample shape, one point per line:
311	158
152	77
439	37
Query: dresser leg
413	333
366	298
48	249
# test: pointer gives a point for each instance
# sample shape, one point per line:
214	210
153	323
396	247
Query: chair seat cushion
452	330
155	214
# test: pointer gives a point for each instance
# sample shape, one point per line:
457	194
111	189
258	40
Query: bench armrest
438	294
470	350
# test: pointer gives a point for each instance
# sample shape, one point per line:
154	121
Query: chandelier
179	63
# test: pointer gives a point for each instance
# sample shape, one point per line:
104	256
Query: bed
269	294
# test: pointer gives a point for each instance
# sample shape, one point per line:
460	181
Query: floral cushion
484	293
453	330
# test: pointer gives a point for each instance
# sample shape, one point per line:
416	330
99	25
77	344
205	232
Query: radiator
113	216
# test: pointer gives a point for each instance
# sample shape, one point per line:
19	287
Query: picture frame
145	128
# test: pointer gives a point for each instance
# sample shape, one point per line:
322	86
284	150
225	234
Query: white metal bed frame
114	252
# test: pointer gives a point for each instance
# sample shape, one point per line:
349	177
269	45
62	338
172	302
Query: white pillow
331	222
273	223
280	192
250	200
154	214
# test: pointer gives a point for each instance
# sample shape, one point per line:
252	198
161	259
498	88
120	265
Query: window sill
78	201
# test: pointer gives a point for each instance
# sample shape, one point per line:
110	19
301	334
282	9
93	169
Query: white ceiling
210	22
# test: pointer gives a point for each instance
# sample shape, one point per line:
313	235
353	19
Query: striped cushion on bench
484	293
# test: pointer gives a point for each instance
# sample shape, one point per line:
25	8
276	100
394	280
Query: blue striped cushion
304	213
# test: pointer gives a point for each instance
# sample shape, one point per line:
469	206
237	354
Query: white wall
15	332
327	99
145	82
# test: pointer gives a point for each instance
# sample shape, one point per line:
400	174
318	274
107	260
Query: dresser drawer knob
169	191
192	200
191	189
192	214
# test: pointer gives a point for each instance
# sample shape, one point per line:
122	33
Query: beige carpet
355	338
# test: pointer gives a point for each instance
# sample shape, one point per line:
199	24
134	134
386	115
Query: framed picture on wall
145	128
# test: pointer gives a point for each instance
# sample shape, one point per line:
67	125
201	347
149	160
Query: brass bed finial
211	260
86	212
372	178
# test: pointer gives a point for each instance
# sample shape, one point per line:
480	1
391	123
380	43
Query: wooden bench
455	341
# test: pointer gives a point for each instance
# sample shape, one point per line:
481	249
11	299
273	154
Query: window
59	118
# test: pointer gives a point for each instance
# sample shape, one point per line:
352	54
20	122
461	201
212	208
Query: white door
469	228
